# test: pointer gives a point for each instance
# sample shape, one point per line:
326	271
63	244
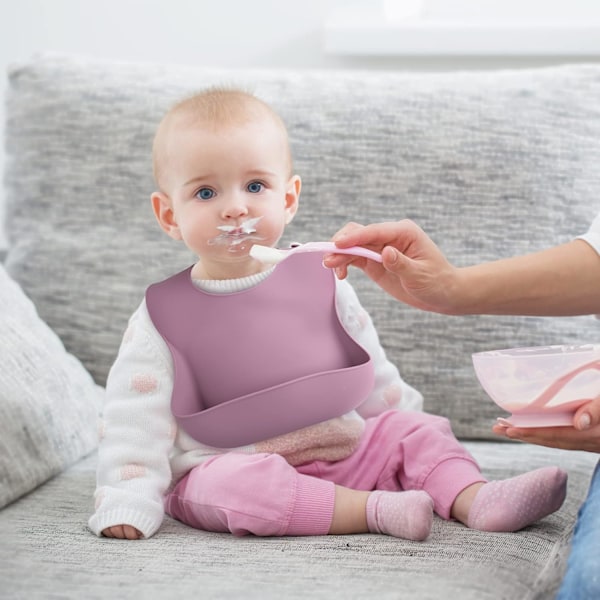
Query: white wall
225	33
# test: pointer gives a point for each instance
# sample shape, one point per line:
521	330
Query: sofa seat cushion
45	534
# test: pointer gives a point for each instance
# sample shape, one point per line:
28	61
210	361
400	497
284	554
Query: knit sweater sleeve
390	390
137	433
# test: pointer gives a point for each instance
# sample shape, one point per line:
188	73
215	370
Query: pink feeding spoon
269	255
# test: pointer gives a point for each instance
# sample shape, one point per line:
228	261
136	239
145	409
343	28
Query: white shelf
371	36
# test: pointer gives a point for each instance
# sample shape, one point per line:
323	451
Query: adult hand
414	270
583	435
122	532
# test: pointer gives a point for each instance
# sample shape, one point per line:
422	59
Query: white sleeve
390	390
592	237
137	432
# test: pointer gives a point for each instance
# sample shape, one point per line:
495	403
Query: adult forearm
563	280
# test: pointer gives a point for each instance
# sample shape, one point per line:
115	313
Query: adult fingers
588	415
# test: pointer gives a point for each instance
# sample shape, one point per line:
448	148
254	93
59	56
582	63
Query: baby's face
229	187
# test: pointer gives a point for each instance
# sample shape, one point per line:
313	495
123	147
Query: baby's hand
122	532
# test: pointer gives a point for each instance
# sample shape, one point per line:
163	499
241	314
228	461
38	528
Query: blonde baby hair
213	108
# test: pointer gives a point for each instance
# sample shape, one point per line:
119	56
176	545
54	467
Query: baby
248	398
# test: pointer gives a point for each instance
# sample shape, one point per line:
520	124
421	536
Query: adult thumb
588	415
392	259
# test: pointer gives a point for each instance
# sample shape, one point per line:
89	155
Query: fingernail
585	421
394	256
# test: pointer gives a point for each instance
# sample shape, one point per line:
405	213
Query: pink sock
407	515
514	503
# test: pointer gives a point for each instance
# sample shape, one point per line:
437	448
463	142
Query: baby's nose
235	210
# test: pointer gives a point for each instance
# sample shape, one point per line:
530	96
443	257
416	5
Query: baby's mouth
234	235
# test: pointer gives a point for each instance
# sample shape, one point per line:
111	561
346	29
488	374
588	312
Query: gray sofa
489	163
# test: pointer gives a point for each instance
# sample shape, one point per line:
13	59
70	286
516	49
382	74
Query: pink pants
263	495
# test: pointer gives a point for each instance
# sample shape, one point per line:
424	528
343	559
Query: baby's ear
163	211
292	196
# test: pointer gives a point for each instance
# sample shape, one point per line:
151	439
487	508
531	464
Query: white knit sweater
142	451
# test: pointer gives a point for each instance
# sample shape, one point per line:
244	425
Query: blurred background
314	34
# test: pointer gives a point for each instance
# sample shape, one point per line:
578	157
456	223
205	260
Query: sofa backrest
490	164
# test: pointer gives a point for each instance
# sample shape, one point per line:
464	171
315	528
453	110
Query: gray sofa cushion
490	164
44	535
48	401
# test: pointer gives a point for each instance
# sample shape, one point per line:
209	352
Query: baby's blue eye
255	187
205	194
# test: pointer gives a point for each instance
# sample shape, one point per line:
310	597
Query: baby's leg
511	504
460	491
263	495
433	460
407	515
259	494
401	452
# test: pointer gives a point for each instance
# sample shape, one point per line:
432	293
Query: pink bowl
540	386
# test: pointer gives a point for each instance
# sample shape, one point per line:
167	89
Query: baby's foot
407	515
512	504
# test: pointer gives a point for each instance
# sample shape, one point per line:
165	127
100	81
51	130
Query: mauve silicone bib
262	362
